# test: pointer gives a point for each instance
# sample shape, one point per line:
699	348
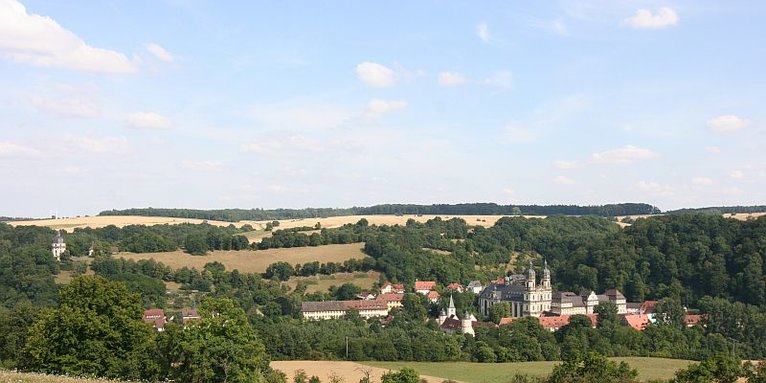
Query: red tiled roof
454	286
648	307
424	285
694	319
343	306
153	313
507	320
391	297
433	295
637	321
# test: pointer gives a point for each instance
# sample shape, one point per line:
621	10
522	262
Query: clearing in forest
321	283
254	261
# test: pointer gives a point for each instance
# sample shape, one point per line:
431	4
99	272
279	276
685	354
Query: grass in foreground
648	368
20	377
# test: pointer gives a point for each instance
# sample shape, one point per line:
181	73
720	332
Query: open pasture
254	261
648	369
320	283
350	372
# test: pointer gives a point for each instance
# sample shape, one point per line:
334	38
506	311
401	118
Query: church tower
466	324
531	277
546	276
58	246
451	311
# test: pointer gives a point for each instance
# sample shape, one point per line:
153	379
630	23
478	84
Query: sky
264	104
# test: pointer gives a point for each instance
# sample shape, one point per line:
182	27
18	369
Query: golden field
254	261
69	224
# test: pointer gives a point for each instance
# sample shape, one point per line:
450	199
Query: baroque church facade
529	296
526	295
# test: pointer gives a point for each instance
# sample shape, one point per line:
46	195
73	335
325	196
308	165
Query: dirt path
350	372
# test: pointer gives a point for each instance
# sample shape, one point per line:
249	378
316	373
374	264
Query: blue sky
205	104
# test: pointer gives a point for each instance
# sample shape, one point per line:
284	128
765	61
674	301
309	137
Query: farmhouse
389	288
423	287
155	317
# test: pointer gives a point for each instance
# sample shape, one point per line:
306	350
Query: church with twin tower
526	296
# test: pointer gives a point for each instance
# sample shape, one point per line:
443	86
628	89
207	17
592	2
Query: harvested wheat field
254	261
330	222
69	224
350	372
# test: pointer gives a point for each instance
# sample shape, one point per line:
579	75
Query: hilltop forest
235	215
704	262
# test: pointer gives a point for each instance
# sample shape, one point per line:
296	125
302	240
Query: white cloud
41	41
281	146
519	134
702	181
655	188
160	53
291	116
713	149
565	165
9	149
727	123
111	145
644	18
559	27
737	174
500	79
451	79
204	166
376	75
377	107
148	120
70	107
482	30
626	154
564	180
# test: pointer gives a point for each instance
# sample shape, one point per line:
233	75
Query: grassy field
349	372
648	368
323	282
255	261
18	377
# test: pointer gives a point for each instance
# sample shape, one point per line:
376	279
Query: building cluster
370	305
157	318
377	306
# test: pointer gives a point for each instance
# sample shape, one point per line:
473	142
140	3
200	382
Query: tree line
236	215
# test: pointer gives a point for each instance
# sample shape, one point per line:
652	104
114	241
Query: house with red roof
433	296
188	315
392	288
637	321
455	286
423	287
155	317
392	300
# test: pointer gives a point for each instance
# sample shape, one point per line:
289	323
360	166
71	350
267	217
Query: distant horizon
82	214
197	103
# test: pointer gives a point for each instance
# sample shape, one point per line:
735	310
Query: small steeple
451	311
